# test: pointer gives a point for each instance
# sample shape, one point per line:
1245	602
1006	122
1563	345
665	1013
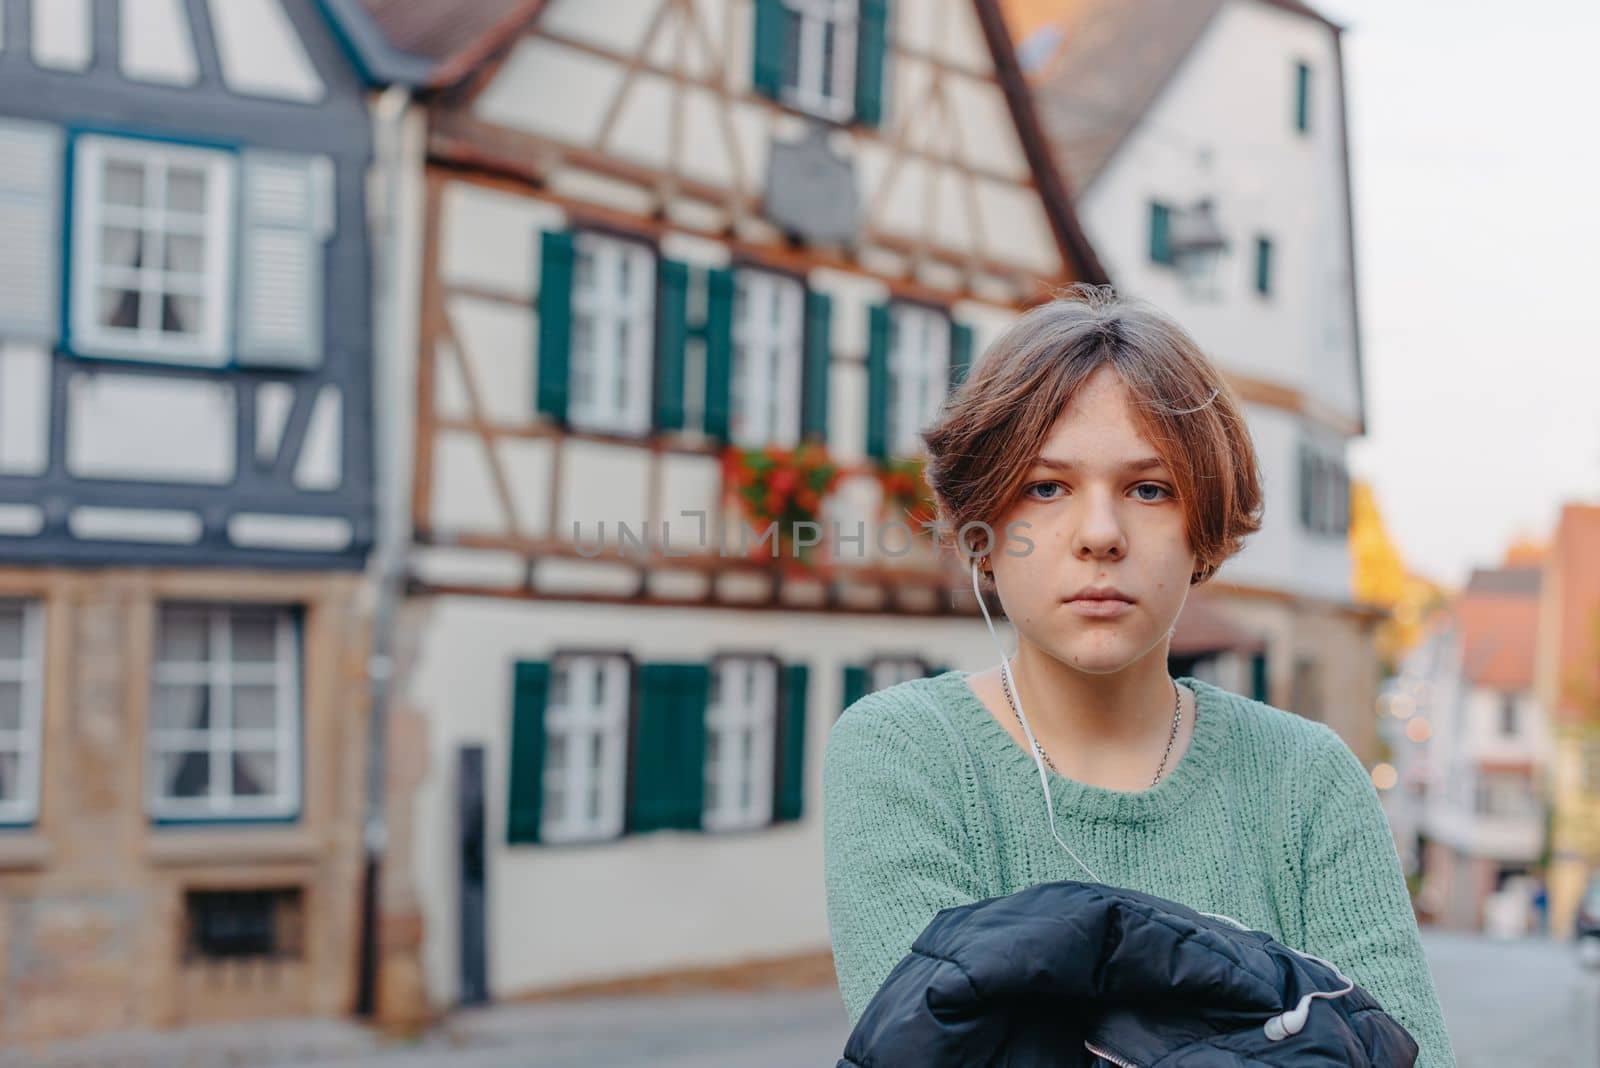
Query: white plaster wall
725	138
647	902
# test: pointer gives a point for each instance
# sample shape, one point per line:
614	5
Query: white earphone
1277	1028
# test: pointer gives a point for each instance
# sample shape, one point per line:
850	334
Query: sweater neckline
1085	801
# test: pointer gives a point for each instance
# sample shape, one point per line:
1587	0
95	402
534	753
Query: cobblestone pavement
1525	1002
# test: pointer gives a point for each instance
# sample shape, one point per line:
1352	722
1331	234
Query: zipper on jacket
1120	1062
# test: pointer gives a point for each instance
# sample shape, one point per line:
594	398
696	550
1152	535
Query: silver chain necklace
1177	715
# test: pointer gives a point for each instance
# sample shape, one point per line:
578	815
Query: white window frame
25	741
584	722
609	381
808	24
919	373
222	740
209	346
887	671
768	352
741	722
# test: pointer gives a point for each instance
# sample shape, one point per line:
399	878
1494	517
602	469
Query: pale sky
1475	164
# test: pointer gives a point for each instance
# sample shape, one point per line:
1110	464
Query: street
1525	1002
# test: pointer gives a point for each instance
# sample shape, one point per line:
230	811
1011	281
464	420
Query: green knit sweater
1268	818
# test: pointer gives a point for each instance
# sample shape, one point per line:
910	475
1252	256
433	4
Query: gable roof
433	45
1099	65
1499	617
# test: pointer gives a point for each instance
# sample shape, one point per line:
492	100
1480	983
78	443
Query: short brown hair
984	441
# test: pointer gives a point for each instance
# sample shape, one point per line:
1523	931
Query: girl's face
1106	517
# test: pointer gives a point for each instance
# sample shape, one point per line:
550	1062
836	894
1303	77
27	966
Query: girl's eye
1152	485
1037	485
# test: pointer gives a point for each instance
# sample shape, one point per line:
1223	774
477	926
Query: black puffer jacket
1074	973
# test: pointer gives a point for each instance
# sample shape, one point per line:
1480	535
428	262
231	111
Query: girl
1114	468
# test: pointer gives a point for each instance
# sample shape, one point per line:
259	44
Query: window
768	331
613	336
225	713
21	700
820	63
919	374
1161	234
889	670
1508	715
259	925
741	720
1302	97
1324	493
586	734
1264	266
151	250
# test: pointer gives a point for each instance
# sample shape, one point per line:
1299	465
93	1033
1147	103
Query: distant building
1205	145
1473	750
1567	680
185	512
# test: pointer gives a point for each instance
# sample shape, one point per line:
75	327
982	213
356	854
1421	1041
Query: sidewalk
775	1028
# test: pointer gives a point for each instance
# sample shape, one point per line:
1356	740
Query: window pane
255	707
181	707
255	637
10	633
10	706
555	754
184	636
119	309
180	315
186	190
255	774
121	246
184	774
185	253
555	803
124	183
10	777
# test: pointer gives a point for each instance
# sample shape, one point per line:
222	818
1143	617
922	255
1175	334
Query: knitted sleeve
894	848
1357	911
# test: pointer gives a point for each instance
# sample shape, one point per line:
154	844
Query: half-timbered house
185	511
653	233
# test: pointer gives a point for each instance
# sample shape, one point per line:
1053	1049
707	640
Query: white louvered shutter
287	210
30	229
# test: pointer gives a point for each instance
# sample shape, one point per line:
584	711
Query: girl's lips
1099	608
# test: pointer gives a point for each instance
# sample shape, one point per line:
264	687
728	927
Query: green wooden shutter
1264	266
819	352
672	335
669	747
1160	233
771	47
960	352
556	257
1258	676
857	684
1302	97
879	338
719	352
790	780
530	683
872	49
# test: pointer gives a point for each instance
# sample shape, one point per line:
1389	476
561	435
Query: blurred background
398	399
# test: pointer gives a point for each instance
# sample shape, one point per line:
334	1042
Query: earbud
1288	1023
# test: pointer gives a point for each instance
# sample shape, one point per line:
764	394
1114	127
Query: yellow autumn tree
1379	577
